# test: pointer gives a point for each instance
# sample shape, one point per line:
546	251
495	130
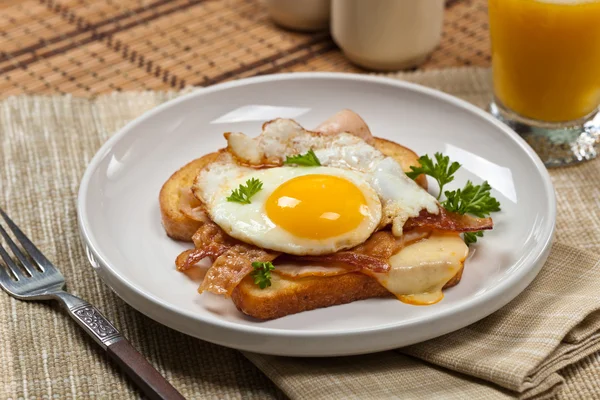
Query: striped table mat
45	145
88	47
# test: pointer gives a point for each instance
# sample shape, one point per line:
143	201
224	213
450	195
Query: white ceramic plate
120	220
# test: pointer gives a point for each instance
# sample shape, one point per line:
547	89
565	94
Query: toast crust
403	156
290	296
177	225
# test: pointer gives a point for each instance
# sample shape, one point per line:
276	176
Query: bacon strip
186	259
232	266
448	221
232	260
211	237
210	241
381	245
372	255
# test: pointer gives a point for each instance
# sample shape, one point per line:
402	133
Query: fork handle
146	377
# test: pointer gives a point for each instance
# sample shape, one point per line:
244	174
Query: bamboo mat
88	47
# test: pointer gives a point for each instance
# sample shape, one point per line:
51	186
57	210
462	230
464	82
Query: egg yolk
317	206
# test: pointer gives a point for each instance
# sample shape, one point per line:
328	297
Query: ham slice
346	121
359	260
284	137
295	271
191	207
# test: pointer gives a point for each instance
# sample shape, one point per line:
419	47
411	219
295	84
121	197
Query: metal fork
41	280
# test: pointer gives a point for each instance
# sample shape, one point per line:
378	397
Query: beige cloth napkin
45	144
553	323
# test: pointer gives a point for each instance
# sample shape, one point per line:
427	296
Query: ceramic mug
387	34
302	15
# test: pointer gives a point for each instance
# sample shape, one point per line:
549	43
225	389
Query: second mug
387	34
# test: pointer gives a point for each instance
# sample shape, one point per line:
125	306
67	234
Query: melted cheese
420	271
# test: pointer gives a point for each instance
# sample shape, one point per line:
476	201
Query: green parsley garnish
471	199
262	273
471	237
243	194
306	160
442	170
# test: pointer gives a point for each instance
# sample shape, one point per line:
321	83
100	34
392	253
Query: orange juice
546	57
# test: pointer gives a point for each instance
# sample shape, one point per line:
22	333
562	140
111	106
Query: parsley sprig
471	237
262	273
471	199
441	170
305	160
244	193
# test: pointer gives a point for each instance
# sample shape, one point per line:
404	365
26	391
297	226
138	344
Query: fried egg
308	210
299	211
400	196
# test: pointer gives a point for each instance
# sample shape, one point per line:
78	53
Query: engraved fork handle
148	379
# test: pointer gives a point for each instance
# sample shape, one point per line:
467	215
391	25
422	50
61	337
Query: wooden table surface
88	47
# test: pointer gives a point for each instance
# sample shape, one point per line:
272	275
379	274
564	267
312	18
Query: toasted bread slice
177	225
180	227
285	296
403	156
290	296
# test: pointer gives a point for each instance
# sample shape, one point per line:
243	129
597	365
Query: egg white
250	223
345	155
400	196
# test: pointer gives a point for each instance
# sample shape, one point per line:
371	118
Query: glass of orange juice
546	74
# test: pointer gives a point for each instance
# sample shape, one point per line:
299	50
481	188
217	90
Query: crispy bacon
182	262
189	258
210	241
372	255
232	259
213	238
232	266
448	221
380	245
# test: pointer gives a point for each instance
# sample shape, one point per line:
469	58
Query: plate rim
540	251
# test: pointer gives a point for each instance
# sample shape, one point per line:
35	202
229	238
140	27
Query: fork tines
25	267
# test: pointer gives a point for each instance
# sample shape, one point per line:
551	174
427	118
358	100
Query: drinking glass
546	74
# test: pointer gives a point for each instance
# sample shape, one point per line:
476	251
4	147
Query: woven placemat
46	142
88	47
